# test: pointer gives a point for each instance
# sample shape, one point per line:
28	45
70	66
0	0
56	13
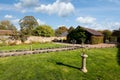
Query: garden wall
43	39
6	40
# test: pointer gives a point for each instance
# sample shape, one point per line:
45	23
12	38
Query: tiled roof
93	32
6	32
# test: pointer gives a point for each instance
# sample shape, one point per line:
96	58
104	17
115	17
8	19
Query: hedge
96	39
113	39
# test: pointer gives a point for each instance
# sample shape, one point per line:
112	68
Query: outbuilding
6	32
93	36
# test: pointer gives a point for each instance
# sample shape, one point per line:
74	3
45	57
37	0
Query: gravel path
18	53
103	45
68	47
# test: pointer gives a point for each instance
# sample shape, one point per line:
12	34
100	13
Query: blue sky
95	14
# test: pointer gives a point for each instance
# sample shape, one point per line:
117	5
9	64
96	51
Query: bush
77	34
59	32
43	30
113	39
96	39
23	38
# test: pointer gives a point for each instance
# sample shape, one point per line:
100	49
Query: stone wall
43	39
30	39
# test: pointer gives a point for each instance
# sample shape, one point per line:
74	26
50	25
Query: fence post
31	47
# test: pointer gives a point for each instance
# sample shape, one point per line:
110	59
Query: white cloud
92	23
26	3
7	7
8	16
103	26
18	5
23	10
16	23
12	19
59	7
114	25
0	8
63	1
112	1
40	22
116	1
86	20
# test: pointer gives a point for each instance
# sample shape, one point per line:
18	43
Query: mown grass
28	46
102	64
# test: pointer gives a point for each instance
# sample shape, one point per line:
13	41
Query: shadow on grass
62	64
118	54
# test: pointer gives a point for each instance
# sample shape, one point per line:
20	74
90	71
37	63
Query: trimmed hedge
113	39
96	39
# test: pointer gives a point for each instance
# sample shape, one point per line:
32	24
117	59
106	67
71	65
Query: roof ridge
93	32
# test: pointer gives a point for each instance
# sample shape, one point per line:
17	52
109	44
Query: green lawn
28	46
102	64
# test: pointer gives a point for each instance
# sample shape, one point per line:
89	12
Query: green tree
43	30
70	29
7	25
27	24
78	34
60	30
107	35
116	33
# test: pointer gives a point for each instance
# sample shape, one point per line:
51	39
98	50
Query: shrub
77	35
59	32
96	39
23	38
113	39
43	30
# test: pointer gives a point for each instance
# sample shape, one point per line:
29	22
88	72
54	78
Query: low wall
43	39
31	39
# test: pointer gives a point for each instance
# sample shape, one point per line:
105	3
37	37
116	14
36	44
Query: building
117	34
6	32
92	35
86	35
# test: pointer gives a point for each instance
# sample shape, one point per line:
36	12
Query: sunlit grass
28	46
101	64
